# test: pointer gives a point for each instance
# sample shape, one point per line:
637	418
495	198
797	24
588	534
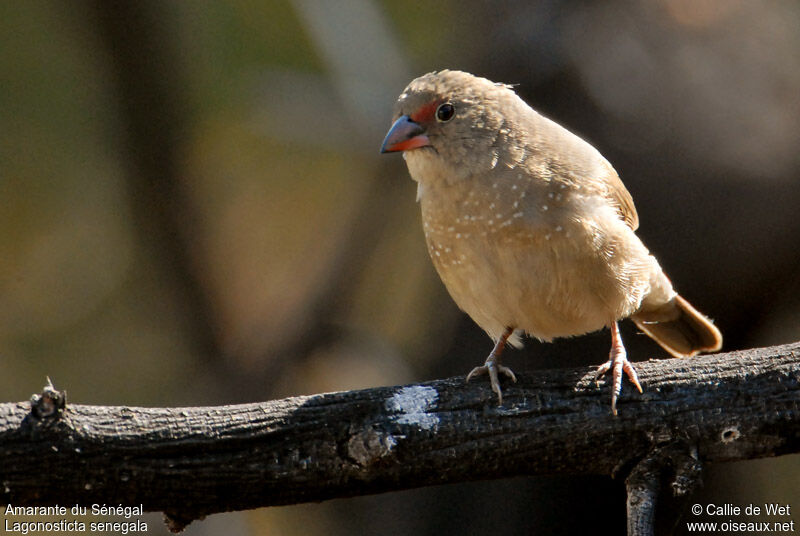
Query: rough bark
189	462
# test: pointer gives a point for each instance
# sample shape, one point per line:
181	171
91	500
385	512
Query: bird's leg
492	365
617	363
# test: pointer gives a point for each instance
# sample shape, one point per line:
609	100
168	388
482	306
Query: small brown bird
530	228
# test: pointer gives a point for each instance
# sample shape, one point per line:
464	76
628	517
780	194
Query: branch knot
50	403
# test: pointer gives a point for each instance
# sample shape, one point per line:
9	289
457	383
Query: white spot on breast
517	214
559	228
545	207
410	405
513	186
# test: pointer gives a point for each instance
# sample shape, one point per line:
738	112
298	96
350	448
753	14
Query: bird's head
453	117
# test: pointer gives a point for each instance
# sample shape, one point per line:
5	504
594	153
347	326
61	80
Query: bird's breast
530	256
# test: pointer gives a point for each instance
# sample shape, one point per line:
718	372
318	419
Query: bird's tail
679	328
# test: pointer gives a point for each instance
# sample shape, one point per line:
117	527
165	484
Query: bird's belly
553	284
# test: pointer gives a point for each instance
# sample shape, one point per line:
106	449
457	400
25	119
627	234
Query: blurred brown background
194	210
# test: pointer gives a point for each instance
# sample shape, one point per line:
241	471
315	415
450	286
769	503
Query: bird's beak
404	135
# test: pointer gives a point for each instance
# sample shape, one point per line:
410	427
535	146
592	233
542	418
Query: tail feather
679	328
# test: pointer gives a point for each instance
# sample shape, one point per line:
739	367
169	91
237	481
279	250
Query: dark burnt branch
675	462
189	462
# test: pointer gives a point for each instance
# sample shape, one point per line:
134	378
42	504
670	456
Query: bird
530	228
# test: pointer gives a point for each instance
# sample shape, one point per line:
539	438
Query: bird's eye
445	112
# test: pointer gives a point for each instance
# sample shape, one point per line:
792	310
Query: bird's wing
620	198
576	157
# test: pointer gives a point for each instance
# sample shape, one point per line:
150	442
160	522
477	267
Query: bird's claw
493	369
617	365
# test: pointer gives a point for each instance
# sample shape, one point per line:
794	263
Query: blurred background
194	210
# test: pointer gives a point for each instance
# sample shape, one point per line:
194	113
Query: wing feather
620	198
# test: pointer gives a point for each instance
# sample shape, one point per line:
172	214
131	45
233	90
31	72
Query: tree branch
677	459
189	462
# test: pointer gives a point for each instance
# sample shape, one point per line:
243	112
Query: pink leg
618	363
492	366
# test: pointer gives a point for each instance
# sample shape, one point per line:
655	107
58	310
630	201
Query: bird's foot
617	364
493	369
